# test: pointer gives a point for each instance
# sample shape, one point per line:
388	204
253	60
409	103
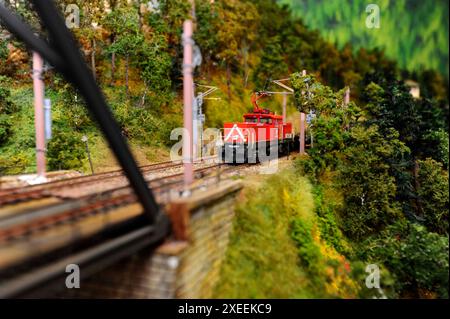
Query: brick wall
185	266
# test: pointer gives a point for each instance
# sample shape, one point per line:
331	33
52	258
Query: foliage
433	195
330	128
422	42
365	180
272	65
308	250
65	150
125	22
207	20
141	124
328	142
298	263
311	95
238	21
433	142
3	50
372	169
437	146
7	105
417	258
5	128
155	62
15	164
420	126
330	231
74	110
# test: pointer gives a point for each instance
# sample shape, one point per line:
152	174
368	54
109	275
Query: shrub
4	50
13	164
7	105
418	259
65	151
329	229
308	251
75	113
306	167
5	128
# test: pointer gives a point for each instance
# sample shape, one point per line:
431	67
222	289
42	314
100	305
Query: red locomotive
262	136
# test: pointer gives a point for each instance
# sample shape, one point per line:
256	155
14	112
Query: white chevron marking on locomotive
235	127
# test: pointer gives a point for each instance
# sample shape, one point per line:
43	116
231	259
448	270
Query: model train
260	137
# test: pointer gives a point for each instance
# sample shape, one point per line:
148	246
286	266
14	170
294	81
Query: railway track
38	227
18	219
20	194
42	231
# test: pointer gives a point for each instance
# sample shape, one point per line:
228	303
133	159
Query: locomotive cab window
251	120
266	120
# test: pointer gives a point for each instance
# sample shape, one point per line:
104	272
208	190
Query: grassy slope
265	261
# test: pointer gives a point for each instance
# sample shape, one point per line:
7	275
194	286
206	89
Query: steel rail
45	217
22	193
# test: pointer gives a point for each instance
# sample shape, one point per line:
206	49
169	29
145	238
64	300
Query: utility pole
284	108
347	97
346	102
302	127
38	88
188	98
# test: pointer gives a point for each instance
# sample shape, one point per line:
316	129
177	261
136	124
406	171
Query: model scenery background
413	32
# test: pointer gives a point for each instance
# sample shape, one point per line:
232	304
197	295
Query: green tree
311	95
433	140
390	106
433	195
417	258
385	108
90	30
272	65
128	37
365	181
207	17
237	22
